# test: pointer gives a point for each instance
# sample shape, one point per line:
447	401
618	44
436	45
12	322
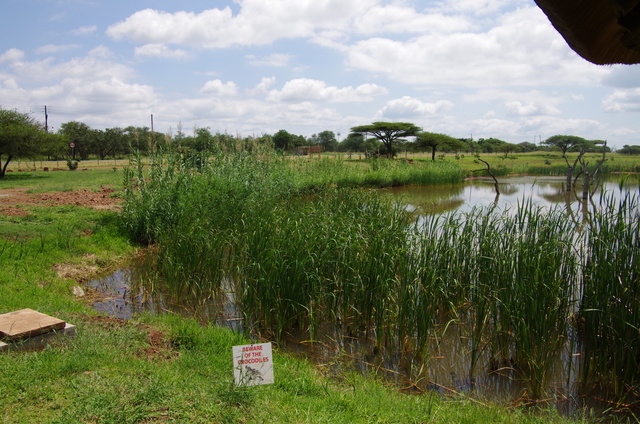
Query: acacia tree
591	172
389	133
436	140
570	143
20	136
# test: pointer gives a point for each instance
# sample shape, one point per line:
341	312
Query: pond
480	192
446	365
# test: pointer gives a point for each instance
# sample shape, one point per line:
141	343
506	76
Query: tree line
22	136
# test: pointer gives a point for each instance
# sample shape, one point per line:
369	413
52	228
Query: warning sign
252	364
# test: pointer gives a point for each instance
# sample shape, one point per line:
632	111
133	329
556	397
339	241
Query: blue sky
467	68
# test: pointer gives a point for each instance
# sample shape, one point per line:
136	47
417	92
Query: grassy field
515	163
163	368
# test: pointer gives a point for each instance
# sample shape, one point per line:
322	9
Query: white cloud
91	89
500	56
161	51
11	55
623	76
623	101
110	90
85	30
57	17
101	52
257	23
276	60
476	7
518	108
411	108
624	132
56	48
219	88
587	128
263	86
396	18
93	67
305	89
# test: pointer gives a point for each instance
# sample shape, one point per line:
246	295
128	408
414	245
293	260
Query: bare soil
15	202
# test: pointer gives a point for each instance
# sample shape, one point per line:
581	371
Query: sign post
252	364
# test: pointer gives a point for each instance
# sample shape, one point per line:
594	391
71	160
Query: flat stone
27	323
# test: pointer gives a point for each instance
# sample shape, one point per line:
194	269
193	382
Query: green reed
331	257
510	273
610	308
379	172
305	251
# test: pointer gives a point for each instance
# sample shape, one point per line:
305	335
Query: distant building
308	150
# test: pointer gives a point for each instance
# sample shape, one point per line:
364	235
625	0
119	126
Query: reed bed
306	250
610	307
379	172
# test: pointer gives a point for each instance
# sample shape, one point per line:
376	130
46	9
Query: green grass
537	163
41	181
106	375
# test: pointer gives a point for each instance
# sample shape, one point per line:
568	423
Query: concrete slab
40	341
26	323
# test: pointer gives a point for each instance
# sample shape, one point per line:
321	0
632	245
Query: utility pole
46	119
153	136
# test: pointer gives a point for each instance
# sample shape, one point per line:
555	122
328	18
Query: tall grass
510	274
306	251
610	308
379	172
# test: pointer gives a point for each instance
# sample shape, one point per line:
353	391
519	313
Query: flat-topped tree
570	143
389	133
430	140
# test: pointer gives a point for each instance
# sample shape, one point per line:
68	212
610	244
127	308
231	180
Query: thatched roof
601	31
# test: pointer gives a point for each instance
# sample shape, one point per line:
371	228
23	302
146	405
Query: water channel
132	289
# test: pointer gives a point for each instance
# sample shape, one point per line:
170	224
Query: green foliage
79	134
629	150
429	140
389	133
569	143
72	164
284	141
20	136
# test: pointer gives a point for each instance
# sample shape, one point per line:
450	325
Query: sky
466	68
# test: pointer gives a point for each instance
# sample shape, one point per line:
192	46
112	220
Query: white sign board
252	364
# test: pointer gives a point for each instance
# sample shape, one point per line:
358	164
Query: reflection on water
446	368
129	290
480	192
447	365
